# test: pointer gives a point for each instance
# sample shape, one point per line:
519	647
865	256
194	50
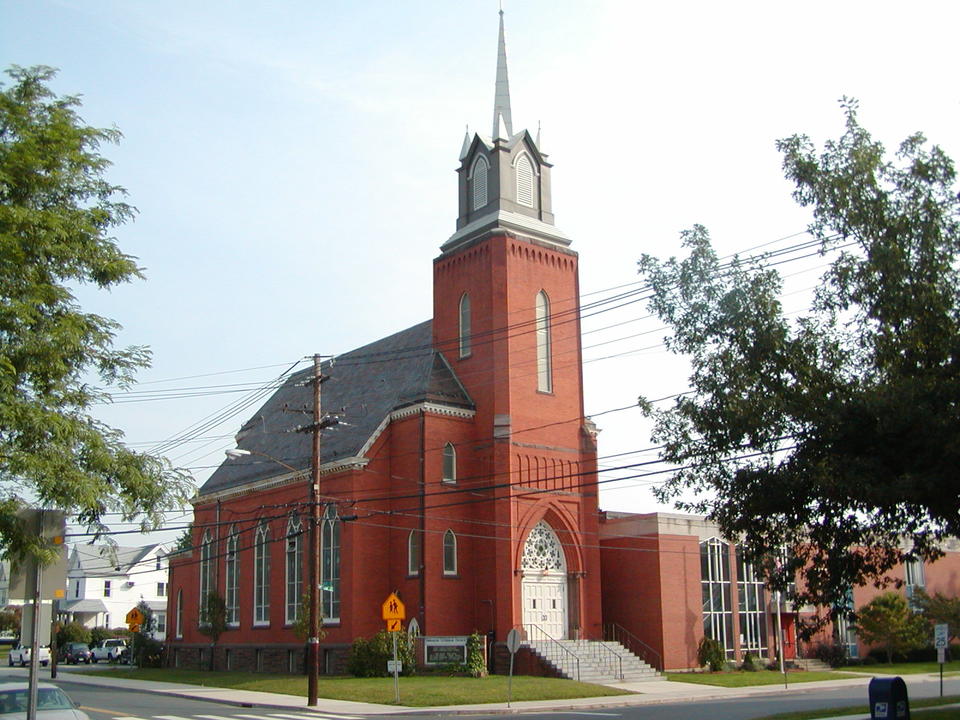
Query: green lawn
416	691
906	668
919	708
761	677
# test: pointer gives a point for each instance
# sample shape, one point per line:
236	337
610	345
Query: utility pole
320	421
313	642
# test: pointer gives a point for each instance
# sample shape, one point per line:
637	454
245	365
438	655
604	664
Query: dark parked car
75	652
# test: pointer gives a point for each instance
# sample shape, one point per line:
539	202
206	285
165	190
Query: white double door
545	604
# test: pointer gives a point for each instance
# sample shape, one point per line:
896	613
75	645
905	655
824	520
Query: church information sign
451	650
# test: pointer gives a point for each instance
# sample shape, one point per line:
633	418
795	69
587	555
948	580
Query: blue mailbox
888	699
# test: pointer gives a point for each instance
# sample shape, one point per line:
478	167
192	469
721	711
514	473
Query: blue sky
293	162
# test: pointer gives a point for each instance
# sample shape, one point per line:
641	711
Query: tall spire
502	122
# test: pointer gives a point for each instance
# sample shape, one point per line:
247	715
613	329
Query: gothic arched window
525	180
232	562
206	568
330	565
449	463
294	557
413	552
449	553
544	364
464	325
261	575
478	182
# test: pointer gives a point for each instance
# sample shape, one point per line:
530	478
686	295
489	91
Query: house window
449	553
464	325
161	622
180	613
294	569
161	589
76	592
206	569
715	591
330	565
753	619
106	588
544	365
413	552
449	463
232	594
524	172
478	182
913	571
261	575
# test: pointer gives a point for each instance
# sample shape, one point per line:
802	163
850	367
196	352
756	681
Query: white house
105	582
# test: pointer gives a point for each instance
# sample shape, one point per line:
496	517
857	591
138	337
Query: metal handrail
525	633
600	645
617	633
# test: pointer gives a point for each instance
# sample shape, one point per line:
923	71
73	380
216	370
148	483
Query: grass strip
415	691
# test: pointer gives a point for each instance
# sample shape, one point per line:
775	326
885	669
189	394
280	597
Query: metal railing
550	648
613	632
607	660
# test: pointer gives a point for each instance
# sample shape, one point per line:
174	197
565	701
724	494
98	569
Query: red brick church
463	475
463	478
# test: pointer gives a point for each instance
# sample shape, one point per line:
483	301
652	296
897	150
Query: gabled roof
365	386
109	560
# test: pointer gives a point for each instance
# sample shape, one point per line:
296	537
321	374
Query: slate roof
365	386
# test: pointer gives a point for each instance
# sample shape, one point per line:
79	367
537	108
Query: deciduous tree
57	215
835	435
888	622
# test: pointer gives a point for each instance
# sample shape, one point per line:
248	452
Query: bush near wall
368	658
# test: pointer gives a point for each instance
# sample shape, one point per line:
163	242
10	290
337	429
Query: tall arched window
180	613
330	565
524	173
294	564
413	552
449	553
206	568
544	364
449	463
232	585
478	182
464	325
261	575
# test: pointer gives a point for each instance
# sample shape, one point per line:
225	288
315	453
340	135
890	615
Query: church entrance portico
544	584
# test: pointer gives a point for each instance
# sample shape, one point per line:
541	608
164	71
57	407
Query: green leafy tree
710	654
73	632
835	435
888	622
9	621
213	619
939	609
57	213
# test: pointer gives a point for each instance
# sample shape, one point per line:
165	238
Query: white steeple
502	122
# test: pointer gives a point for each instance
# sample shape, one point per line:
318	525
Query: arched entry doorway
544	582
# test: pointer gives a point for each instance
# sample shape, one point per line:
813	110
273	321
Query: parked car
52	702
20	654
111	650
75	652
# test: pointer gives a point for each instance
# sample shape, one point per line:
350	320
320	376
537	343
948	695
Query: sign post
394	613
513	644
941	638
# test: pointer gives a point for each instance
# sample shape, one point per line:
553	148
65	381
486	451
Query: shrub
710	653
147	652
833	654
475	667
749	663
72	632
368	658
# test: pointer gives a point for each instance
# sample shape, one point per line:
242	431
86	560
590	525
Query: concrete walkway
649	692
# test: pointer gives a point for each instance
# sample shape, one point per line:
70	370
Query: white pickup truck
111	650
20	654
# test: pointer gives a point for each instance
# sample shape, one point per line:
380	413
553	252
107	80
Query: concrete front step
606	662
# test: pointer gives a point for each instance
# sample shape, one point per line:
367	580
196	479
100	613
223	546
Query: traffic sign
394	625
941	635
135	617
513	640
393	608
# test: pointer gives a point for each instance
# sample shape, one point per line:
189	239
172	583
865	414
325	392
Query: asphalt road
104	703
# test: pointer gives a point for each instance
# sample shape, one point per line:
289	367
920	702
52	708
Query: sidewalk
650	692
